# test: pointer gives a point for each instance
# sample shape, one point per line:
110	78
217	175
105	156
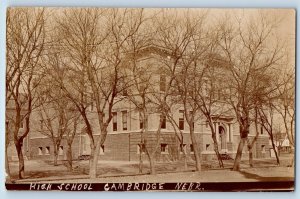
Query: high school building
124	132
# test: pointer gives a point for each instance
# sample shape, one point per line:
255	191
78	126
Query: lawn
119	171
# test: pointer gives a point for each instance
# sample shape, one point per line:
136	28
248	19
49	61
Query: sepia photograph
150	99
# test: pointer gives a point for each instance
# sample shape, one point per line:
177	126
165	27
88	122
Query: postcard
143	99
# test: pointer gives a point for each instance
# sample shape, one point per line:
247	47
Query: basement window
61	150
182	148
40	150
207	147
102	150
263	148
141	148
191	148
47	152
164	149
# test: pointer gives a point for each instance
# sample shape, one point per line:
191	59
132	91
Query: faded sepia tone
150	96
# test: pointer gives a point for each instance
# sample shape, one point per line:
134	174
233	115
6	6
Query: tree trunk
7	169
238	157
21	159
69	157
55	156
292	162
141	158
185	160
196	150
251	144
93	164
216	147
94	159
250	157
152	165
276	154
7	165
141	163
250	149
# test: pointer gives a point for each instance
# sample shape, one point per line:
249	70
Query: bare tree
285	104
252	58
96	42
25	44
266	116
56	116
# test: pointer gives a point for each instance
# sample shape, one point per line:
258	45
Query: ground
117	171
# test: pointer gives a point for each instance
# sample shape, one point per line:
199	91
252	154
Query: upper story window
115	121
261	129
123	88
181	120
206	88
162	82
41	124
163	121
124	119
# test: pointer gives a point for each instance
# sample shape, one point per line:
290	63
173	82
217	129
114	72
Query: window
141	121
124	120
263	148
261	129
191	116
92	102
206	89
191	148
206	124
163	121
21	121
61	150
115	122
48	122
42	124
181	120
141	148
207	147
164	148
182	148
47	152
92	105
85	143
124	89
102	150
162	82
40	150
